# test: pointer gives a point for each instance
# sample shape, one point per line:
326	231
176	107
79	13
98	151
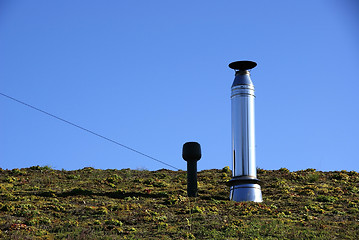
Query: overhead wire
87	130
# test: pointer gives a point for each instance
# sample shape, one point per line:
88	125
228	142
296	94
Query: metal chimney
244	183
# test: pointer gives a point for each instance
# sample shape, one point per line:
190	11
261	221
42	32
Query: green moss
114	222
326	198
43	203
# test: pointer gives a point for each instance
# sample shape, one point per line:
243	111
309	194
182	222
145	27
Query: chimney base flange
246	192
242	180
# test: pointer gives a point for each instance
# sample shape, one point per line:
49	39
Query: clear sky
153	75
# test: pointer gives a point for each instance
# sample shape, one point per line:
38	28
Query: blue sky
153	75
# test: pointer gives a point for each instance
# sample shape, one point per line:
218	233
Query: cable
87	130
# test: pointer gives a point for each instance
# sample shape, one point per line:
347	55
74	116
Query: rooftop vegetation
43	203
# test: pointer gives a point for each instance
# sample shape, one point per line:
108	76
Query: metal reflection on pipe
244	183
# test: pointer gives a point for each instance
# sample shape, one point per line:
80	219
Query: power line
87	130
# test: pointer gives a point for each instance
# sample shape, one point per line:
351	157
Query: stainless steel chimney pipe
244	183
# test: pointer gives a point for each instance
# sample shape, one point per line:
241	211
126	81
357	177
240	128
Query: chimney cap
242	65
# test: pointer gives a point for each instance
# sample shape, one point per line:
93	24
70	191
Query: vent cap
242	65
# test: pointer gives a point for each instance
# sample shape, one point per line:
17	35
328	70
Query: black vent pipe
191	152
